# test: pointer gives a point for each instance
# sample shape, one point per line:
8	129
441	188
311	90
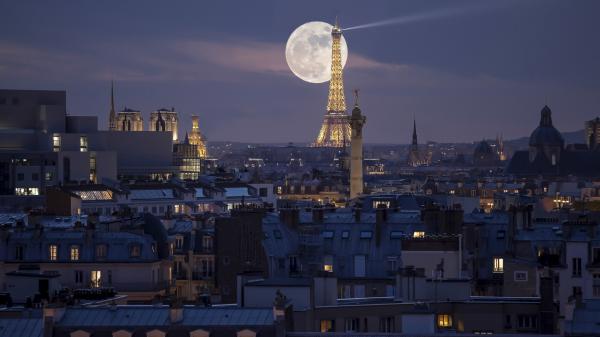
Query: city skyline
483	69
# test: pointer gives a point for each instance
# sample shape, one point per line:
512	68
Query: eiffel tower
335	131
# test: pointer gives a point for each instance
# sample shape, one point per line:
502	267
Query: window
596	285
179	242
207	243
345	235
20	176
56	143
498	265
135	251
500	234
293	263
520	276
360	262
391	263
83	144
387	324
53	252
595	255
366	234
352	324
576	267
78	276
277	234
527	321
74	253
394	235
19	252
328	263
35	176
327	234
419	234
444	321
359	290
96	278
48	176
327	325
101	251
577	292
263	192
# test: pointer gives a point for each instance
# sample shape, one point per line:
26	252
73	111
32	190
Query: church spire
112	115
414	135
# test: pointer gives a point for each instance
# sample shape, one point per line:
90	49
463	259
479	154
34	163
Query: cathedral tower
357	121
335	130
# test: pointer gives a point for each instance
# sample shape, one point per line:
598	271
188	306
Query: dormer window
135	250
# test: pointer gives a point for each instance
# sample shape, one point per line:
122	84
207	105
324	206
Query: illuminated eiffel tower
335	131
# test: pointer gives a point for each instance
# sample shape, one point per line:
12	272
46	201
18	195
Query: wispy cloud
184	59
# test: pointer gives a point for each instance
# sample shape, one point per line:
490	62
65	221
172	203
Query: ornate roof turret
546	134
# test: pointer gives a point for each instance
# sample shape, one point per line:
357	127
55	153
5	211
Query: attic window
345	235
396	234
366	234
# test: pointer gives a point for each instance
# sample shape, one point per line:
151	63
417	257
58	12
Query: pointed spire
355	97
414	135
187	139
112	114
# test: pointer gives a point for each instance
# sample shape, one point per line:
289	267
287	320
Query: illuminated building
164	120
129	120
357	121
335	131
500	148
187	160
197	138
415	156
592	133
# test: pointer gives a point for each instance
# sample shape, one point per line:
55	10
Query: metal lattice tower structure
335	131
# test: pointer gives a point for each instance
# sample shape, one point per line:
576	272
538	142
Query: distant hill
571	137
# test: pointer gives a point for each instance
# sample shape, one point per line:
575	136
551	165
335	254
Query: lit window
444	321
83	144
96	278
53	252
419	234
179	242
328	263
56	143
498	265
327	325
74	253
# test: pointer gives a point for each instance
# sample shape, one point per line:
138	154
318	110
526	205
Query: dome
546	134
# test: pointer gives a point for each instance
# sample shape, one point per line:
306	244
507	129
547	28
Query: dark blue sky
464	77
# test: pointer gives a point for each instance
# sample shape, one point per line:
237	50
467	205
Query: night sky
464	77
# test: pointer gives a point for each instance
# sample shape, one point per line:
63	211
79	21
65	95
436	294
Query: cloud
183	59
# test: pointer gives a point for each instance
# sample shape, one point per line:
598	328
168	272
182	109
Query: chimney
52	313
317	215
381	214
176	312
547	311
357	213
289	217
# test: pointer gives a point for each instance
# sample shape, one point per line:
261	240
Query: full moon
308	52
